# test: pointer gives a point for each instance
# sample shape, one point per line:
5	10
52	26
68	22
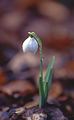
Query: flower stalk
41	86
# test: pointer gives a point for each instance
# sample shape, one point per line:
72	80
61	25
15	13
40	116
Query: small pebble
19	110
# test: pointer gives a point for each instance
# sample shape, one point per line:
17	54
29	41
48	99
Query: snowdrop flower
30	45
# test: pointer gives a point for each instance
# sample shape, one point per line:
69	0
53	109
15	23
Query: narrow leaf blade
48	77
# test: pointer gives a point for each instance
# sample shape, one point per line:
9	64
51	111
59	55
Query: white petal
30	45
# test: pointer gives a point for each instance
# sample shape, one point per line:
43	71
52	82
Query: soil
20	105
15	108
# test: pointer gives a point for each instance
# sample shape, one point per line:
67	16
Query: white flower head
30	45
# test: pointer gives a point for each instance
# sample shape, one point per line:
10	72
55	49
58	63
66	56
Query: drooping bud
30	45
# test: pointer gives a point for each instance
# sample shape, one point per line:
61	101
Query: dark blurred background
53	21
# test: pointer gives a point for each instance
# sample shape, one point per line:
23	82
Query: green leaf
48	78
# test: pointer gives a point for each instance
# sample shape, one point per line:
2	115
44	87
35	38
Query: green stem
41	87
